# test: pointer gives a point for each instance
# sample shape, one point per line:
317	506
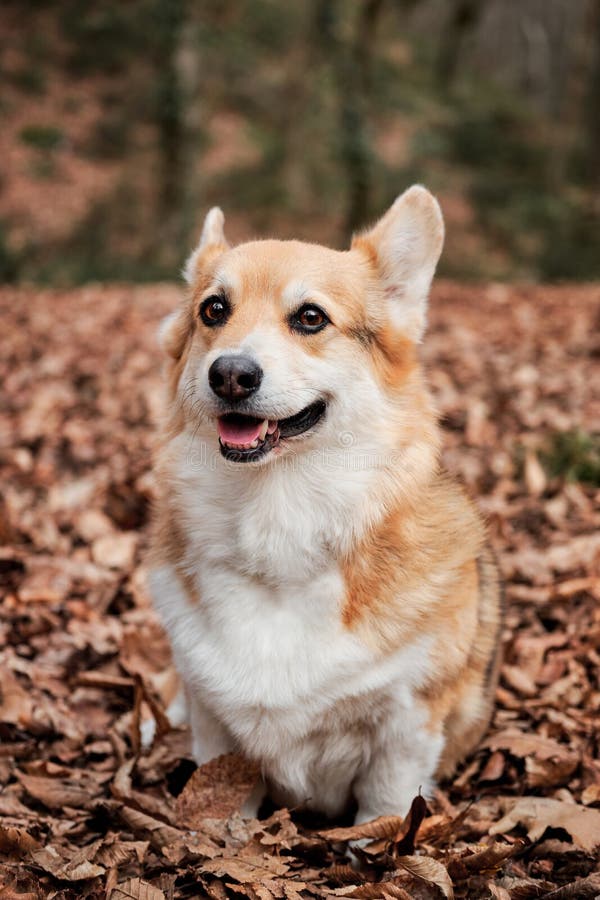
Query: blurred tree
592	107
168	32
303	119
368	18
348	47
463	18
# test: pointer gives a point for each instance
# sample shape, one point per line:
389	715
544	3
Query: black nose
234	377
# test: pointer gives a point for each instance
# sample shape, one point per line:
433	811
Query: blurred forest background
122	122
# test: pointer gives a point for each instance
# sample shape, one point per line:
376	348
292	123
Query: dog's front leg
401	765
210	738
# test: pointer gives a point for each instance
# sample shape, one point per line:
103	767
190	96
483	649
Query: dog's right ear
212	242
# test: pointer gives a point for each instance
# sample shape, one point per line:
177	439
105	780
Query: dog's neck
294	517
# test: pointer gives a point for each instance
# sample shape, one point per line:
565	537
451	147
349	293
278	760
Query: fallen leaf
591	794
383	827
16	842
246	869
494	767
158	833
579	889
484	861
217	789
77	867
404	843
535	477
136	889
56	792
115	551
536	814
430	870
546	761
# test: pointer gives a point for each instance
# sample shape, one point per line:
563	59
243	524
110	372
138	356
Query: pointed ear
212	241
173	331
405	246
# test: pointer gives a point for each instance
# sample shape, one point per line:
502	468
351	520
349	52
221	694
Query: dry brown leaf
497	892
591	794
158	833
547	772
378	891
579	889
483	861
16	842
494	767
430	870
16	703
114	853
246	869
522	744
216	890
77	867
136	889
56	792
546	761
115	551
535	477
404	840
217	789
121	787
8	893
537	814
519	681
383	827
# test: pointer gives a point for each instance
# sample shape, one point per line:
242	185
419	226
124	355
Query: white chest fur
264	648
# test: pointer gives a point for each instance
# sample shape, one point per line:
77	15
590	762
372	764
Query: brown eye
309	319
215	311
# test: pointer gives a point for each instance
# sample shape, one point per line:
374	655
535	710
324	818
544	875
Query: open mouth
246	438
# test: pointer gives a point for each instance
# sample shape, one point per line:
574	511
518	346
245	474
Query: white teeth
263	430
231	446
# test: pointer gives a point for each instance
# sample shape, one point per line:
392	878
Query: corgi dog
332	603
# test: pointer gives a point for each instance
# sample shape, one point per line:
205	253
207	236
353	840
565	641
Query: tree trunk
169	107
464	18
350	60
592	124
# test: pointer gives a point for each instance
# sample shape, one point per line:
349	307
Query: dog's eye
309	319
214	311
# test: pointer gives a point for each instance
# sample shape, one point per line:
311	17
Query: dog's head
286	345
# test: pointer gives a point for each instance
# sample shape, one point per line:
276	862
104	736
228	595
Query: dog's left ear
175	328
405	246
212	241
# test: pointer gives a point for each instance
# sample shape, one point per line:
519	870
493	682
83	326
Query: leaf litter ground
84	812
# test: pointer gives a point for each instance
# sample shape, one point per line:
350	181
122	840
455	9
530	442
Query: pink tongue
238	432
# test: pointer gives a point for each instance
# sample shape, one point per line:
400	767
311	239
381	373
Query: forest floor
85	813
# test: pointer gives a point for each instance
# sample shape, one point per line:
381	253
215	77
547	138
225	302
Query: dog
332	603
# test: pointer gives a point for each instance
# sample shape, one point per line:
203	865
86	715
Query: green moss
574	456
42	137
